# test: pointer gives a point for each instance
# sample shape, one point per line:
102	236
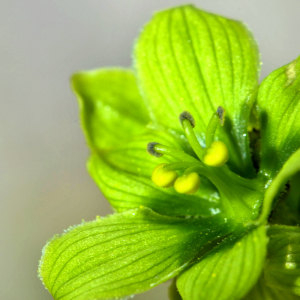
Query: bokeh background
44	186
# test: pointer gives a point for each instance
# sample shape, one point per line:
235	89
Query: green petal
289	169
111	107
263	292
187	59
282	270
227	273
122	254
279	108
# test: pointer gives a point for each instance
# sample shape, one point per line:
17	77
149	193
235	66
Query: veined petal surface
122	254
188	59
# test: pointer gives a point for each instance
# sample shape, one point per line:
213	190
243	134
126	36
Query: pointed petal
111	108
187	59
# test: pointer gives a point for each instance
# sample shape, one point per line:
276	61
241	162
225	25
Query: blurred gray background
44	186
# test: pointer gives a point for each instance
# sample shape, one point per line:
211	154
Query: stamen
187	183
187	115
151	151
217	154
217	119
187	125
221	114
162	177
154	148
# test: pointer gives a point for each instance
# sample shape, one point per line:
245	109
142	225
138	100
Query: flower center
215	154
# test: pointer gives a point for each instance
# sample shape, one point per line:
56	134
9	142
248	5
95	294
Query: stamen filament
216	120
178	166
194	168
193	141
181	155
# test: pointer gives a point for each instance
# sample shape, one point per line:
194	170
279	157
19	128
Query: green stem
178	166
211	129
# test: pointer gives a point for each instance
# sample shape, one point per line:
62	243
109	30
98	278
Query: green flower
226	229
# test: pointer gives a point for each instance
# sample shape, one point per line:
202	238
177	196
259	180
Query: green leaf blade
120	255
187	59
229	272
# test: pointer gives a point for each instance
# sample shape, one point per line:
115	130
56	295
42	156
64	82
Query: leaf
187	59
228	272
282	270
290	168
262	292
111	107
279	108
122	254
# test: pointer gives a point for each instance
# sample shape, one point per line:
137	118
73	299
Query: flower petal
263	292
187	59
282	269
228	272
111	107
279	109
122	254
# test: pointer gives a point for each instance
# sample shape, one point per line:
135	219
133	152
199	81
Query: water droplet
290	265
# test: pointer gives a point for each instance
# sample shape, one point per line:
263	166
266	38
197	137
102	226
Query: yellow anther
216	155
163	178
188	183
